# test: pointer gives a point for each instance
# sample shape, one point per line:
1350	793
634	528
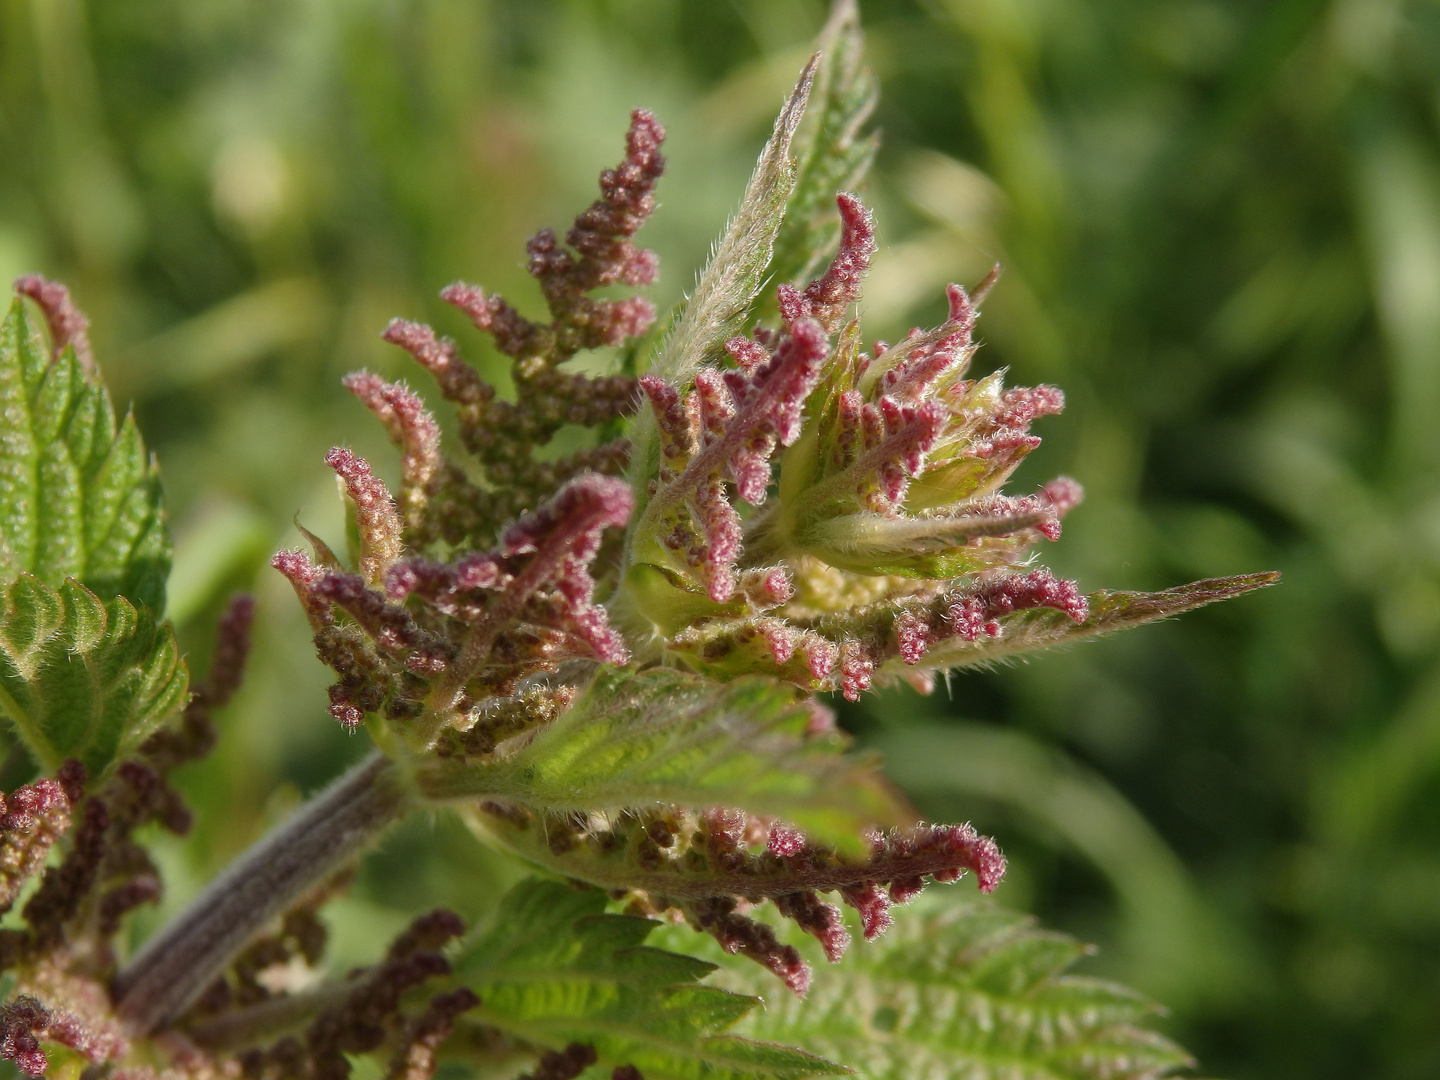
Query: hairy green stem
188	954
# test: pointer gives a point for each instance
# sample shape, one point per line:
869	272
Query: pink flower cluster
439	500
714	866
969	612
888	502
483	622
729	426
792	871
726	430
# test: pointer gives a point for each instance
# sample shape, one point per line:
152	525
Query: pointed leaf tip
735	273
1116	609
833	150
794	109
1108	612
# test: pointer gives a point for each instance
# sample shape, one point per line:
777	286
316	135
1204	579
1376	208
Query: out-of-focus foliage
974	983
1221	226
556	969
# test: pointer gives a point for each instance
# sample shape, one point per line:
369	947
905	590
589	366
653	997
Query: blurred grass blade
227	540
1172	945
231	335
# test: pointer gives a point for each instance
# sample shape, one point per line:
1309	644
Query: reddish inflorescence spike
370	1011
725	433
828	297
563	1064
485	620
1062	494
973	612
714	866
743	936
412	429
439	499
32	818
390	626
303	576
978	611
379	523
231	652
602	254
22	1021
820	920
68	324
916	367
873	904
458	381
415	1058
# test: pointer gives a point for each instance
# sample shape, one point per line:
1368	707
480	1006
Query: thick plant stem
186	956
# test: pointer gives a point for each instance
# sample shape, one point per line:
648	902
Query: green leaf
831	152
667	737
554	969
736	271
1110	611
970	991
725	294
81	677
79	496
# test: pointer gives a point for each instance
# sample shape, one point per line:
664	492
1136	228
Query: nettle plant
607	663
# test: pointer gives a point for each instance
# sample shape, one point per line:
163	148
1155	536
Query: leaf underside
667	737
555	969
79	496
81	677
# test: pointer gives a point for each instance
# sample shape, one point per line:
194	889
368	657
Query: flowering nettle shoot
806	510
606	660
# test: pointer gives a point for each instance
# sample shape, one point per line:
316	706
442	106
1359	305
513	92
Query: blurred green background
1221	226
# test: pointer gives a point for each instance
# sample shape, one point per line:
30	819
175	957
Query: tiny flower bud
375	513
